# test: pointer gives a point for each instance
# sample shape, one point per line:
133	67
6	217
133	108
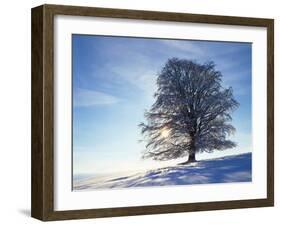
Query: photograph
152	112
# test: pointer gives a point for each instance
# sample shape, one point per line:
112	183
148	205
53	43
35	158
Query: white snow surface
237	168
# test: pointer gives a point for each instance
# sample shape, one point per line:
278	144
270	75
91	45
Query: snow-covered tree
191	112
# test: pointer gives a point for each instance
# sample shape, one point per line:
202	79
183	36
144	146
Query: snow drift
237	168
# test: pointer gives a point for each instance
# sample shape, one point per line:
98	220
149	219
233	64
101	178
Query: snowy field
228	169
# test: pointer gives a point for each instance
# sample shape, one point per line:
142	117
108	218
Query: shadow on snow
222	170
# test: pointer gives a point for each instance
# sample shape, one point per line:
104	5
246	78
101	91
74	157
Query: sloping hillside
236	168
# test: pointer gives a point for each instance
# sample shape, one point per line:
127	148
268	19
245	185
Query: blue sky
114	81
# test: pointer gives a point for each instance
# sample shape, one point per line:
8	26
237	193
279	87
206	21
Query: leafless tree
191	112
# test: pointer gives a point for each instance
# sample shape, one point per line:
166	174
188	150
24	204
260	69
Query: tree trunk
191	157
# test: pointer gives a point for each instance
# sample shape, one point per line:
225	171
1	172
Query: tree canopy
191	112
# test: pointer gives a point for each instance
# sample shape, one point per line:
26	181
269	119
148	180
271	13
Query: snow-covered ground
236	168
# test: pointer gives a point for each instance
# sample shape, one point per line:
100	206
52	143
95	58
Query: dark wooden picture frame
42	203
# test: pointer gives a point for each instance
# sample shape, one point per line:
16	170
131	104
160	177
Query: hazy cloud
86	98
184	46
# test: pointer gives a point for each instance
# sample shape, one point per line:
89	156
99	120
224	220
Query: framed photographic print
141	112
